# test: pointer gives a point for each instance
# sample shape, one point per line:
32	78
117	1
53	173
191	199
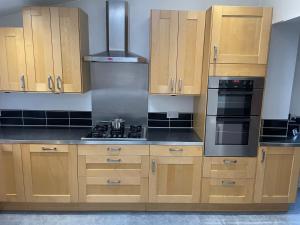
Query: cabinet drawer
48	148
113	189
227	190
229	167
102	166
176	150
113	150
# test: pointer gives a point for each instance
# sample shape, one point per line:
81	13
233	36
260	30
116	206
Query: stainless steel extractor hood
116	36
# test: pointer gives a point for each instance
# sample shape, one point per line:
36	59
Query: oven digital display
241	84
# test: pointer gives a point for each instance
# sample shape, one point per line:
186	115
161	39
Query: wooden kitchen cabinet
239	40
177	39
277	175
12	60
55	41
11	174
175	174
50	173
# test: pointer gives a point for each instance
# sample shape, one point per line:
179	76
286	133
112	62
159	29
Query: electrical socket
172	115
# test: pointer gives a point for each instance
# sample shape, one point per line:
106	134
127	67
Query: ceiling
11	6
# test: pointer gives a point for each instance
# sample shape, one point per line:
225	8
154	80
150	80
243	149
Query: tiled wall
184	120
45	118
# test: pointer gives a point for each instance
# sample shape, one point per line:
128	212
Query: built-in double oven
233	116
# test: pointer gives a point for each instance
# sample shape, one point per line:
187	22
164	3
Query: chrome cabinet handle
227	161
228	182
215	53
49	149
113	149
113	160
113	182
180	85
175	149
22	81
153	166
59	83
263	158
50	83
172	84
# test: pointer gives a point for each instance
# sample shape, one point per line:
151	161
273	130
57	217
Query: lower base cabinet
11	174
277	175
50	173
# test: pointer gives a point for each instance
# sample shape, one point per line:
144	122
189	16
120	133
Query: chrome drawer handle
263	158
175	149
113	160
153	166
113	182
112	149
228	182
227	161
49	149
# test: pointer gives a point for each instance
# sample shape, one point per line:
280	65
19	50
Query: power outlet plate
172	115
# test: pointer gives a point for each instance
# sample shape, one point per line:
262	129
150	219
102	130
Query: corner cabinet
239	40
177	39
11	174
175	174
50	173
12	60
55	41
277	175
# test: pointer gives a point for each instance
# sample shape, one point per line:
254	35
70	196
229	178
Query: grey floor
115	218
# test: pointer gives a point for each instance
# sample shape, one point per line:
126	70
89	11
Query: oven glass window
232	131
232	103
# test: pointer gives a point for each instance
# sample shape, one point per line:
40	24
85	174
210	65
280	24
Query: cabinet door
12	60
277	175
175	179
190	52
66	49
164	33
240	34
50	173
11	174
38	48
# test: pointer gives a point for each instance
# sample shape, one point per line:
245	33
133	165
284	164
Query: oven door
231	136
230	102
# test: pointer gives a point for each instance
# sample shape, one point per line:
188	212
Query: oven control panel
241	84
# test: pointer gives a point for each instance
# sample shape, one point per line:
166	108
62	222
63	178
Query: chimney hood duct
116	36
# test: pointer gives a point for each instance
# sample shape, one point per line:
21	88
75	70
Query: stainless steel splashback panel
120	90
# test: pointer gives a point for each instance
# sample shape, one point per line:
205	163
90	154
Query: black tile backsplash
274	128
39	118
275	123
184	120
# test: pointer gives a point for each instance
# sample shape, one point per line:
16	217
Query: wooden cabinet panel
227	190
190	52
277	175
11	174
229	167
240	34
170	150
50	173
113	150
38	48
12	60
175	179
164	33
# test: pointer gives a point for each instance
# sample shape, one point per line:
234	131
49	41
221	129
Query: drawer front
118	189
229	167
103	166
113	150
227	190
170	150
48	148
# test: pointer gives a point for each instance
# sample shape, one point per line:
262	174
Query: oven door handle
223	92
233	119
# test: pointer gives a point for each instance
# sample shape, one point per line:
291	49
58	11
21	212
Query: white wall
281	69
283	9
295	103
139	15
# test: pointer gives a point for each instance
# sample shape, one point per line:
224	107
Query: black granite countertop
73	136
275	141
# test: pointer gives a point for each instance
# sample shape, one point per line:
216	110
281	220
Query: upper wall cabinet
239	35
55	41
177	39
12	60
